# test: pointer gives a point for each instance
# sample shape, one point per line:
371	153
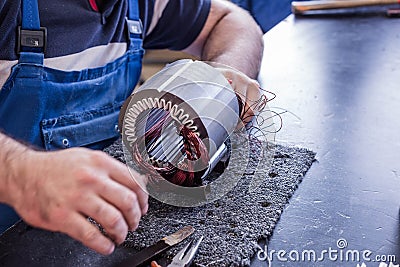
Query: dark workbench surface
339	78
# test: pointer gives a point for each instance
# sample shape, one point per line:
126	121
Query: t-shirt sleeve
175	24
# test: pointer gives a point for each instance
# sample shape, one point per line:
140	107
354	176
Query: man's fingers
254	95
108	216
140	182
253	100
248	90
79	228
120	173
250	94
125	200
82	183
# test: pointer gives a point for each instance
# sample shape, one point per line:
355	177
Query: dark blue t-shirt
76	25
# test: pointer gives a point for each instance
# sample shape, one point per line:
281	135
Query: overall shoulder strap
135	25
30	15
31	37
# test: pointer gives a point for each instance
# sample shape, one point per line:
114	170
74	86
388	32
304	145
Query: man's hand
231	36
58	190
247	89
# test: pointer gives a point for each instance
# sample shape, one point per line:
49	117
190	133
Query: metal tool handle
299	7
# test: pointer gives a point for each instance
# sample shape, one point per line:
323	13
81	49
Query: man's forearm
231	37
238	45
11	155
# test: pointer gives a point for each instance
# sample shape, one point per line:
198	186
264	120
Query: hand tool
146	254
185	256
300	7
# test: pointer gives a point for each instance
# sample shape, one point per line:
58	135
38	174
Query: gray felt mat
232	225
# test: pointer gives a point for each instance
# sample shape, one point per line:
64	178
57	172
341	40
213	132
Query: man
62	87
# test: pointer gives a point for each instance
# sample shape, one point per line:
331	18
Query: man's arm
230	36
58	190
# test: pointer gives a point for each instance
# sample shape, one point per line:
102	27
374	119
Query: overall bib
53	109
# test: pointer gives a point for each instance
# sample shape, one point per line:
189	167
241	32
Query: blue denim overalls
53	109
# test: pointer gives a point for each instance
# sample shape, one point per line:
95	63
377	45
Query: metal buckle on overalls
135	26
32	38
